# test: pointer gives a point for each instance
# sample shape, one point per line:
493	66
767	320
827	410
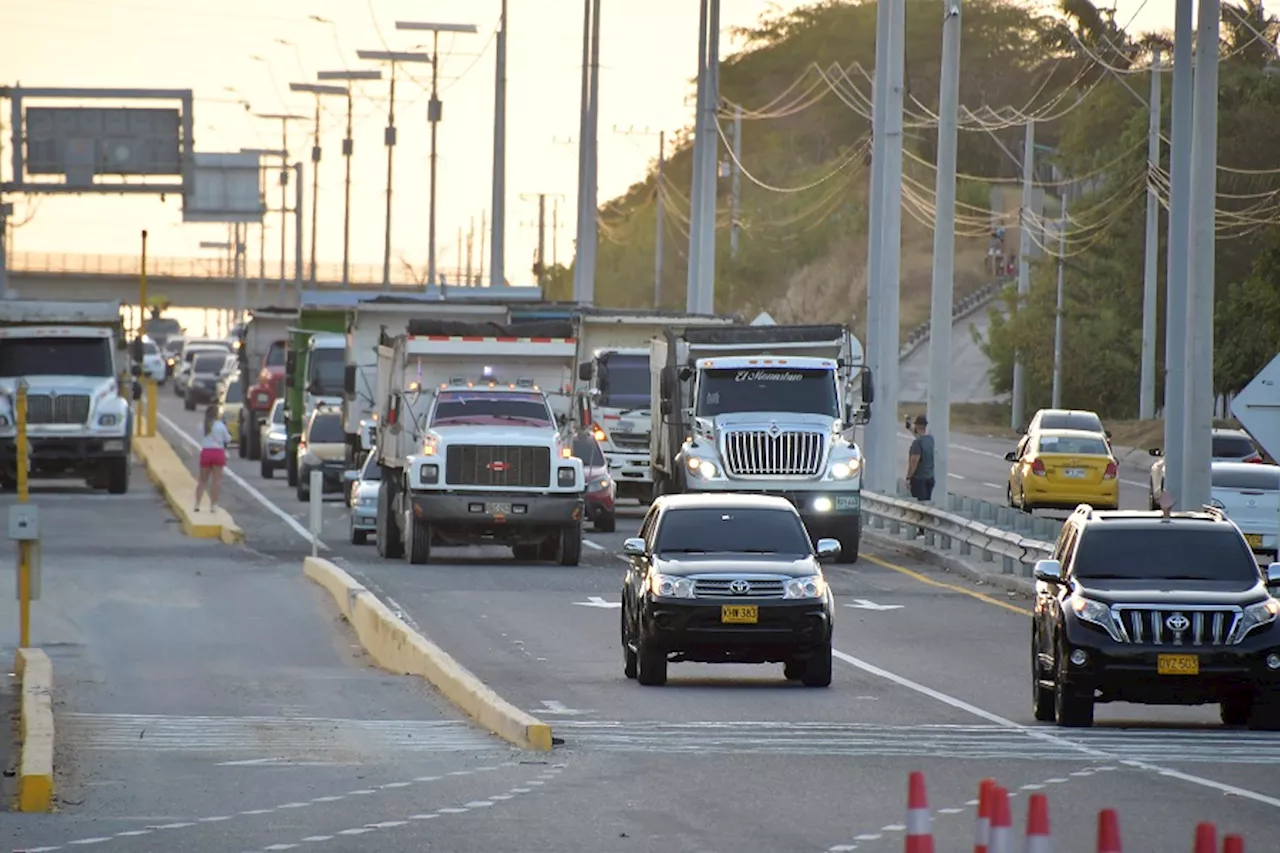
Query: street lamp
434	109
284	119
319	90
262	226
348	147
394	58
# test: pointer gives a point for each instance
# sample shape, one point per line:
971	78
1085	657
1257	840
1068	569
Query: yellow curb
171	476
398	648
35	774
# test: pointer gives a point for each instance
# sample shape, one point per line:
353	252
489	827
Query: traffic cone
1108	831
919	833
1206	838
1232	844
1001	822
982	828
1039	839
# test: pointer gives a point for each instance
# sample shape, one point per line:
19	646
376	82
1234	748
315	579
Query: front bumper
694	630
274	451
598	504
1045	495
500	516
630	468
55	449
365	517
1128	672
200	392
331	473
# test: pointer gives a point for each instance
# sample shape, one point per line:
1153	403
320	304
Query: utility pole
540	260
944	250
284	119
319	90
659	219
6	210
1198	413
711	165
879	463
891	256
348	148
480	256
585	260
555	231
471	237
498	245
736	186
1151	270
297	234
1179	237
696	186
1024	267
1057	314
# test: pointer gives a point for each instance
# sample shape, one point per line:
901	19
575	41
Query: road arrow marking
597	601
554	707
863	604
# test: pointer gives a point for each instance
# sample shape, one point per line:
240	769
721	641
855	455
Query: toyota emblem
1178	623
739	587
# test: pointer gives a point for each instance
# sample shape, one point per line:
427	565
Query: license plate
848	501
498	509
1178	664
1254	539
1074	473
740	614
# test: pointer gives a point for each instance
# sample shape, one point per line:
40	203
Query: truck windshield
624	381
325	372
486	408
55	357
275	355
781	389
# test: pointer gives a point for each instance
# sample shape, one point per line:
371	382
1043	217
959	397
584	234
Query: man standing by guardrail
920	461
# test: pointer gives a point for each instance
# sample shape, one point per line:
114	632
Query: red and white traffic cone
919	833
1001	822
1206	838
1108	831
1038	838
1232	844
982	827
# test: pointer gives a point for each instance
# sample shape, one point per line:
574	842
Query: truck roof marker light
566	453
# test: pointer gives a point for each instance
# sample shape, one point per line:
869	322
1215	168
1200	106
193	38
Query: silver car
363	499
273	439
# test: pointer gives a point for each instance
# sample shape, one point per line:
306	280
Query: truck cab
616	409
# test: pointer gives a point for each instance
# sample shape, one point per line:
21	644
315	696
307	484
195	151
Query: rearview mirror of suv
1049	571
1011	456
633	547
828	549
1273	574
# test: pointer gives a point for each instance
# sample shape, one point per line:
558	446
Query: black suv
1155	609
726	579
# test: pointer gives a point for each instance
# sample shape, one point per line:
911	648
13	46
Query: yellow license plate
1254	539
1178	664
740	614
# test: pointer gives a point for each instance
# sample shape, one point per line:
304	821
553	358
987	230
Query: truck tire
118	475
851	540
290	466
253	441
817	670
388	536
417	546
570	551
242	438
266	468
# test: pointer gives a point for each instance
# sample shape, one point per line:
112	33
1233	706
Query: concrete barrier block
35	768
175	481
398	648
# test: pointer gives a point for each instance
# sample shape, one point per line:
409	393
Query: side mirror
584	371
351	476
633	547
665	407
1011	456
685	374
667	383
349	381
1048	571
1273	574
828	549
868	388
1156	452
1107	432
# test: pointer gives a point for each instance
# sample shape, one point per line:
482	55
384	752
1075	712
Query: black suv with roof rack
1156	609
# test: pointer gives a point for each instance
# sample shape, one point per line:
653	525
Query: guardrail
970	304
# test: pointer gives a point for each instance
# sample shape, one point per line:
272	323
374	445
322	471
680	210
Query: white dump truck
71	356
612	396
471	441
264	340
762	409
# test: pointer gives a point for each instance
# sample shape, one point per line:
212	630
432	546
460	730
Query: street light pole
348	148
284	119
319	91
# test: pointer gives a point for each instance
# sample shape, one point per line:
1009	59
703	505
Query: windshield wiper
683	551
756	551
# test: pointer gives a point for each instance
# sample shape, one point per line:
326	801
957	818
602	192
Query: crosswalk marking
944	741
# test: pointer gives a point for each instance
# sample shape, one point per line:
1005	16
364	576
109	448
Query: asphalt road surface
932	675
969	365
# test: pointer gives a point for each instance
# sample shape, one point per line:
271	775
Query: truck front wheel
850	537
571	545
417	536
118	475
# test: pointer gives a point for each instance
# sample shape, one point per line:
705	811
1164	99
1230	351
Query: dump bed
42	312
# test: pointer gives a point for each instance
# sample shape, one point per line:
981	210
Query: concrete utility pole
297	232
584	267
1179	236
711	162
944	250
284	119
1197	442
659	219
891	253
878	464
6	210
498	245
1057	313
1024	266
1151	270
471	238
348	148
694	266
540	260
736	207
480	255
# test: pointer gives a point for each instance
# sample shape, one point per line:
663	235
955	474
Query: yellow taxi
1062	468
231	405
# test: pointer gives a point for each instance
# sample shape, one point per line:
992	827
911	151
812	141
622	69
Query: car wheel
630	660
1022	503
817	670
525	551
606	523
651	664
1008	495
266	469
1236	708
242	433
304	485
291	467
571	545
359	537
1042	697
793	670
1072	708
188	403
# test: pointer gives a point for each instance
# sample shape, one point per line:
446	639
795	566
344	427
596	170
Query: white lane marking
479	804
396	785
311	838
293	523
597	601
956	476
175	825
595	545
870	836
452	811
424	816
554	707
214	819
950	811
501	797
358	830
280	847
133	833
893	827
87	841
1037	734
995	486
392	824
863	604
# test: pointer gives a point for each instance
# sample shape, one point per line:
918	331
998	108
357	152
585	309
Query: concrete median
398	648
175	482
35	771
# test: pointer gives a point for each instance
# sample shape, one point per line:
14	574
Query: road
932	676
969	365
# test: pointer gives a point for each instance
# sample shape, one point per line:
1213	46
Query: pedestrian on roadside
213	457
920	461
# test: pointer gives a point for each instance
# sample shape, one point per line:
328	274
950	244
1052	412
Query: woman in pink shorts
213	457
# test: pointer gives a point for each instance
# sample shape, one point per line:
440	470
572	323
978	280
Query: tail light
1111	472
1255	458
1037	468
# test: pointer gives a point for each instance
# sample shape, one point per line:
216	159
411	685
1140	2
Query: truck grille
758	453
65	409
719	588
629	440
497	465
1204	626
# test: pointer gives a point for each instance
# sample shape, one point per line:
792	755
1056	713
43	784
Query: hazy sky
251	50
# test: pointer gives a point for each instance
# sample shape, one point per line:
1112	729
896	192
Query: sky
237	52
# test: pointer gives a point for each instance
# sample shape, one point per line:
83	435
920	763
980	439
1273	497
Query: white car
1250	496
1229	445
153	366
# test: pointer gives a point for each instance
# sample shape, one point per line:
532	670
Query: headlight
108	420
565	476
1095	612
598	485
844	470
701	467
428	475
667	586
1258	614
814	586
